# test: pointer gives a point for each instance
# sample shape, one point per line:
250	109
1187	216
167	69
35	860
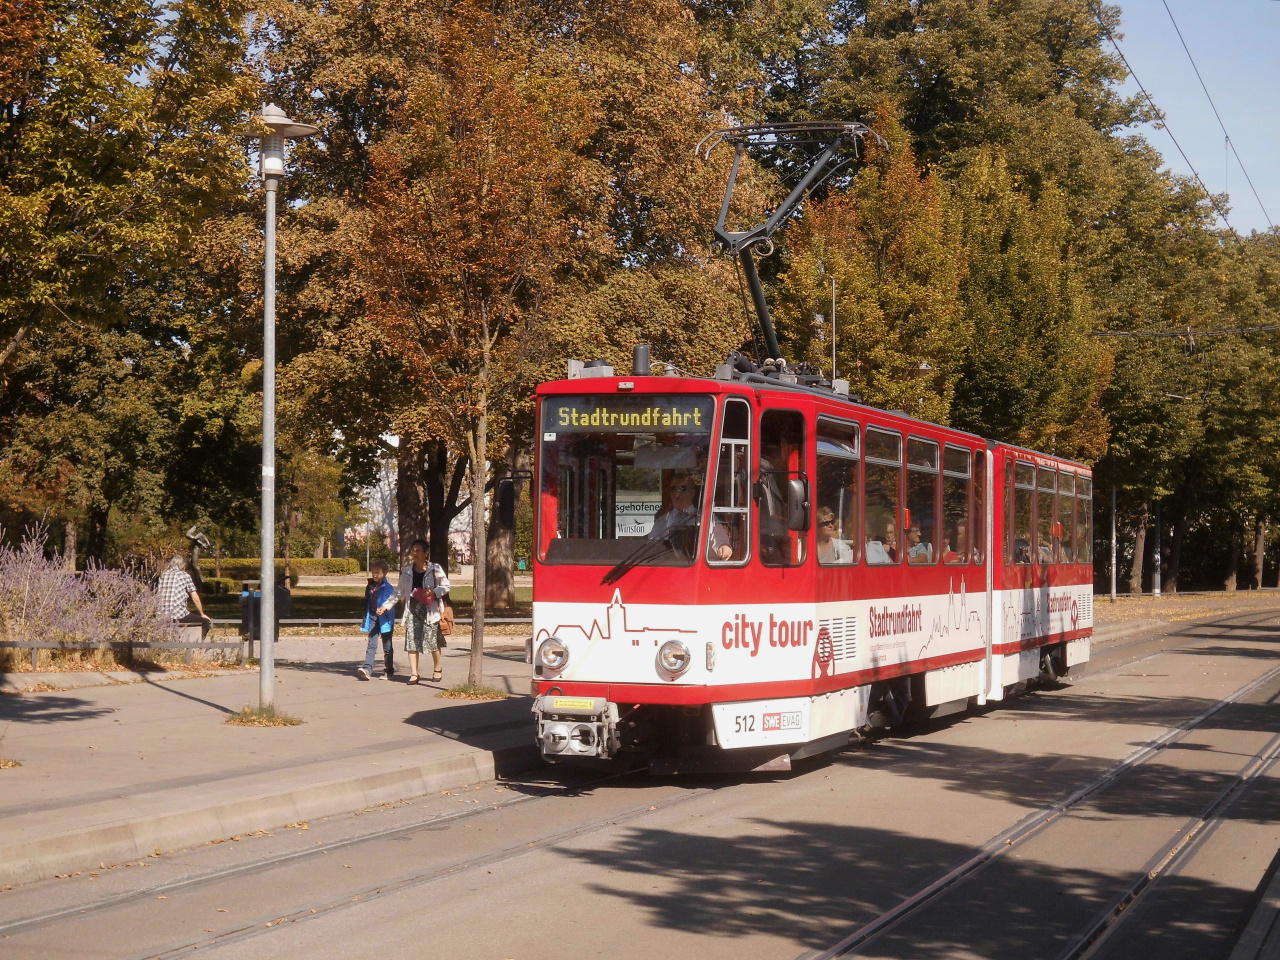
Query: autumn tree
890	245
473	212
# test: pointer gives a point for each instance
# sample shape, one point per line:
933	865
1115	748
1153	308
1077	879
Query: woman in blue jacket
379	620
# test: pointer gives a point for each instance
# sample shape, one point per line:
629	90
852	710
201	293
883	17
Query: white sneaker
364	674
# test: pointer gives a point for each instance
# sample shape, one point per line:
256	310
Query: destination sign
679	413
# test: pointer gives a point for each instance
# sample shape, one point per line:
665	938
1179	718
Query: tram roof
687	383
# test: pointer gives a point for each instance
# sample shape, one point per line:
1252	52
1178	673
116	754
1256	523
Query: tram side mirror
797	505
505	501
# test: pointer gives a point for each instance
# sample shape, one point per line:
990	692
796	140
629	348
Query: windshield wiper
644	551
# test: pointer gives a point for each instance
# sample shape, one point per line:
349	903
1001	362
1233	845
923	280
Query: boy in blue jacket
379	620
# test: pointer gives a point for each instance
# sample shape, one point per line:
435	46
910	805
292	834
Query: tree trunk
1259	551
443	489
69	547
1175	555
1139	549
478	539
217	560
95	547
411	501
1233	560
500	573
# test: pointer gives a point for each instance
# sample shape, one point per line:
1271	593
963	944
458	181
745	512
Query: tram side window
1024	494
836	519
920	526
1084	520
1046	542
728	540
1066	529
978	524
955	505
1008	512
882	486
781	461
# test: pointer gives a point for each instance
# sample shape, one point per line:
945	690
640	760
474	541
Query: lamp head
271	149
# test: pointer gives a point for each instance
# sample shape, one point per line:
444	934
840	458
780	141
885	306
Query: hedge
248	568
219	586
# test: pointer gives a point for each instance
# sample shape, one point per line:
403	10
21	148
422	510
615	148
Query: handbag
446	617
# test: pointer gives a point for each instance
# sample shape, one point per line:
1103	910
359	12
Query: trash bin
251	608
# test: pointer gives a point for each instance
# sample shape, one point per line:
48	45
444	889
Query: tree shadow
815	882
1164	786
48	708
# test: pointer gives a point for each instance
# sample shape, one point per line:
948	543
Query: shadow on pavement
815	882
46	708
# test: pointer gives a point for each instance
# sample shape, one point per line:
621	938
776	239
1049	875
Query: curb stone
83	849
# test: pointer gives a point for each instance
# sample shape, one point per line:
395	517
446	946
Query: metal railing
322	622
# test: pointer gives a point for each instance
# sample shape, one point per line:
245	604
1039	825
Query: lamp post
271	165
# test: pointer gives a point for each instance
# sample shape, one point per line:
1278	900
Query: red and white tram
745	570
740	572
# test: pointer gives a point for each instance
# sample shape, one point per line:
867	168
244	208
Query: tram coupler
576	727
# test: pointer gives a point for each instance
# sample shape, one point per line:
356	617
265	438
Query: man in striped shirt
173	589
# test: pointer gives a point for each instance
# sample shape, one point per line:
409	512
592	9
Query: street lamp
271	165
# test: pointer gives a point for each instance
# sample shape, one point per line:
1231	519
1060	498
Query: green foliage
240	568
890	245
218	586
498	187
1032	375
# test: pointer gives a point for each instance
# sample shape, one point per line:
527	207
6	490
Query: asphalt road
1022	806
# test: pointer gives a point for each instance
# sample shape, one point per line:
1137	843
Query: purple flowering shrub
41	600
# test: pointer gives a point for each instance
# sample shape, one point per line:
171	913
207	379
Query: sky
1236	45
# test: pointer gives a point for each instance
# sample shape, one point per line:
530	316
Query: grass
470	691
6	764
263	717
16	661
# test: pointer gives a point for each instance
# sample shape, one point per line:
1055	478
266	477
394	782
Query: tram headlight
552	654
674	658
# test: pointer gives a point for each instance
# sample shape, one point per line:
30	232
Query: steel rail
1029	827
270	863
265	923
1175	854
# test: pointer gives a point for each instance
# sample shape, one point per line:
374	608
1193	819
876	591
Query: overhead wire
1230	143
1160	117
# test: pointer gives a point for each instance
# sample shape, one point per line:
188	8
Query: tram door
781	464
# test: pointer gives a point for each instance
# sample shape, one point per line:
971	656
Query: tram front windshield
622	478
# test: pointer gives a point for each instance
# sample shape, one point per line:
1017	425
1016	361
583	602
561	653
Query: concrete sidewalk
120	771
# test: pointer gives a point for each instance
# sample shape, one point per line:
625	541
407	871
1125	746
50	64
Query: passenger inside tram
955	544
919	550
831	548
884	548
775	541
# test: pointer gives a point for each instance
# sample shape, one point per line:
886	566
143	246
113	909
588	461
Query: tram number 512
745	724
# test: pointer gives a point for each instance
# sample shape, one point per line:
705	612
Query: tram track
1179	851
267	864
265	923
1176	852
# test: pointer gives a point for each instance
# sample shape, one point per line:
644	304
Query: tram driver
681	520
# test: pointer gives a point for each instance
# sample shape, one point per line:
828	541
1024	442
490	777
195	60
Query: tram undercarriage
698	738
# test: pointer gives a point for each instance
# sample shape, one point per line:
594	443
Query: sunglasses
826	523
